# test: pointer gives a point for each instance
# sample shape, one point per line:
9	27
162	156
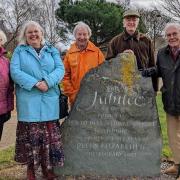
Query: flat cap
131	12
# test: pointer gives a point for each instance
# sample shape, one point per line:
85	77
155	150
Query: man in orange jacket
82	56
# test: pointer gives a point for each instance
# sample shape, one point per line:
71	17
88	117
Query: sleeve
158	72
101	57
21	78
67	84
111	50
10	96
152	64
158	66
151	54
57	74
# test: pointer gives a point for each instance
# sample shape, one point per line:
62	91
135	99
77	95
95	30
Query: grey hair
22	37
82	25
168	25
3	37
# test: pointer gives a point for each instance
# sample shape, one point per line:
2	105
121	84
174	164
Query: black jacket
169	70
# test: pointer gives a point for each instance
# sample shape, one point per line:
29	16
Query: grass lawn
7	158
7	155
162	116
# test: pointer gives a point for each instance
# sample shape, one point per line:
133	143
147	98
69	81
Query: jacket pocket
73	63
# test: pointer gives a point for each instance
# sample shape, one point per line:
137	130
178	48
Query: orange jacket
77	63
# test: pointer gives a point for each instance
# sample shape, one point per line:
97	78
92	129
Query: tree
104	18
172	8
124	3
14	13
154	21
44	13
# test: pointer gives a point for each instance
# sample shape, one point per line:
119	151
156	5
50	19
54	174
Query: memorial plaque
113	128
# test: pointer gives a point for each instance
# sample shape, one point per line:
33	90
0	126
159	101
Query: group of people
36	70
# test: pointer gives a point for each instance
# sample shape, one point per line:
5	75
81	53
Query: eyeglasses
174	34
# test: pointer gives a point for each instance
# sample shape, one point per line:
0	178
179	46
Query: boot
173	170
30	173
178	174
48	173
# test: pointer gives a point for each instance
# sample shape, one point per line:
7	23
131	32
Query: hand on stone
128	51
149	72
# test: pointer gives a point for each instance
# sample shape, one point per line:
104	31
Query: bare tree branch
15	12
171	7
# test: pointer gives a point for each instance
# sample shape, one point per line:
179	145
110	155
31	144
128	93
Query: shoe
48	174
173	170
30	173
178	174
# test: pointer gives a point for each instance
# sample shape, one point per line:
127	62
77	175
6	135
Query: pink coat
6	85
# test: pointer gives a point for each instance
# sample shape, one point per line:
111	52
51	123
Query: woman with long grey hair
37	69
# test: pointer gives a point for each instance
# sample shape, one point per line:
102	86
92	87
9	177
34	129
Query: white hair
82	25
3	37
168	25
22	37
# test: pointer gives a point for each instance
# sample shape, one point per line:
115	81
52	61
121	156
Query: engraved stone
113	128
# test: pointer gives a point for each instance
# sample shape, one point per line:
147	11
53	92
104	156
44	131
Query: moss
128	69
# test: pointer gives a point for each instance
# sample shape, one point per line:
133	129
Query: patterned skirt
39	144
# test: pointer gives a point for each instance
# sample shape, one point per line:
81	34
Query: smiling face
130	24
33	36
82	37
173	36
3	38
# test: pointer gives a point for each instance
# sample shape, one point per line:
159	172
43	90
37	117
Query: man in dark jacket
130	40
168	66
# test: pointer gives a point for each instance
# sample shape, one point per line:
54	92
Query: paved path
9	132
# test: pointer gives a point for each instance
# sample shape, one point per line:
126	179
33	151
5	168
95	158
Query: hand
149	72
42	86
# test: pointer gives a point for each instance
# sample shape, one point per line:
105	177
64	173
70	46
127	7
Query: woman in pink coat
6	86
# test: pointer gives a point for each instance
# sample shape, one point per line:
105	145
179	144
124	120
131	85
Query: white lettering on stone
111	99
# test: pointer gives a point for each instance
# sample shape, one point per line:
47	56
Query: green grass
162	116
7	155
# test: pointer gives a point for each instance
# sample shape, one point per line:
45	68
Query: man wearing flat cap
132	41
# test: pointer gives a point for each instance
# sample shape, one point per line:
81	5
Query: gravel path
9	133
18	172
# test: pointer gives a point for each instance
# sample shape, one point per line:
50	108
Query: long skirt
39	144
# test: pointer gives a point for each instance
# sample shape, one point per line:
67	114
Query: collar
175	50
168	49
135	36
46	47
74	48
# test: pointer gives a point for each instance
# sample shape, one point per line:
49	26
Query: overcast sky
142	3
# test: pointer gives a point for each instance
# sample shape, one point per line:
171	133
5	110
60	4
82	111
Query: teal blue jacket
27	68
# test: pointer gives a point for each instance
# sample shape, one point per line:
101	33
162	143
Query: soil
18	172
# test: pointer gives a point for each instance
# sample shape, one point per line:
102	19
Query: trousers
173	130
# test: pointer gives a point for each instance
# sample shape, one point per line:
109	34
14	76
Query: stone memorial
113	128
